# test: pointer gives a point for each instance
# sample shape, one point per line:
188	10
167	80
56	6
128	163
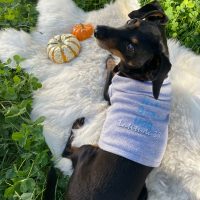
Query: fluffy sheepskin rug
74	90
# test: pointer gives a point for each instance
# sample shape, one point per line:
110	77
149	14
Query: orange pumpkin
82	31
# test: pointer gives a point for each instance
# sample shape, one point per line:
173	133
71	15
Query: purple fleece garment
136	125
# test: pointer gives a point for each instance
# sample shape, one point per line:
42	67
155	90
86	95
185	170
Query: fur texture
75	90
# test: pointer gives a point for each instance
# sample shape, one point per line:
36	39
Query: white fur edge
65	165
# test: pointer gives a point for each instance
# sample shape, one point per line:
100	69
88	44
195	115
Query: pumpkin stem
82	25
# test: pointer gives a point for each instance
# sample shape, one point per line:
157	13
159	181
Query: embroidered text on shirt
137	129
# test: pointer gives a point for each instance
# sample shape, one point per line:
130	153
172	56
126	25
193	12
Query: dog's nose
100	32
96	32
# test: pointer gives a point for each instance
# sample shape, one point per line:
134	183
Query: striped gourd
63	48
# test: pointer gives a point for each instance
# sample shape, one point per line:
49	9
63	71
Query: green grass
23	152
19	14
89	5
25	157
184	21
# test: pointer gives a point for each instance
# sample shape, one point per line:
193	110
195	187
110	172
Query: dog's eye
130	47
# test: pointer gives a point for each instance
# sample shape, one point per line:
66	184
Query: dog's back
101	175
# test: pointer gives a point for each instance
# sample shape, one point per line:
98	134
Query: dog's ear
164	67
150	12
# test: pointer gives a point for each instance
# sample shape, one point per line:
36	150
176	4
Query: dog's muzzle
101	32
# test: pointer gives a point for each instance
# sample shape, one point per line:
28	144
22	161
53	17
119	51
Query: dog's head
141	45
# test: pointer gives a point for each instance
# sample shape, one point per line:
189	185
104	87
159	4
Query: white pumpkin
63	48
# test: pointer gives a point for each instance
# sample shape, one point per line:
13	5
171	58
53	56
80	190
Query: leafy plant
24	155
19	14
89	5
184	23
19	135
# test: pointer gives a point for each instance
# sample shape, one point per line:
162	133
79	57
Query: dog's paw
78	123
110	63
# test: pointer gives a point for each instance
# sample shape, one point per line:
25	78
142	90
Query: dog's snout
100	32
96	32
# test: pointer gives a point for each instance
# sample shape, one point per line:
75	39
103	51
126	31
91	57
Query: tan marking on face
135	40
101	44
137	24
134	65
117	53
130	63
110	46
157	14
106	44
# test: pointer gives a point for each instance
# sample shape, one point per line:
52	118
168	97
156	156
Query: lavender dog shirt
136	125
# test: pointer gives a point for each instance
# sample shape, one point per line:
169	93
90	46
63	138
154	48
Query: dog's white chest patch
136	126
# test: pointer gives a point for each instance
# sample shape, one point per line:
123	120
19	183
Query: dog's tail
50	190
49	193
67	153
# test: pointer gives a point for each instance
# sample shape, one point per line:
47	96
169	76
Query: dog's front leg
107	84
111	70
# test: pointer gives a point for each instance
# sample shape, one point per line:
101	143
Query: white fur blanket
74	90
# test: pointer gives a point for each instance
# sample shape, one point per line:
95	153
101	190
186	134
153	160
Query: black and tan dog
142	47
